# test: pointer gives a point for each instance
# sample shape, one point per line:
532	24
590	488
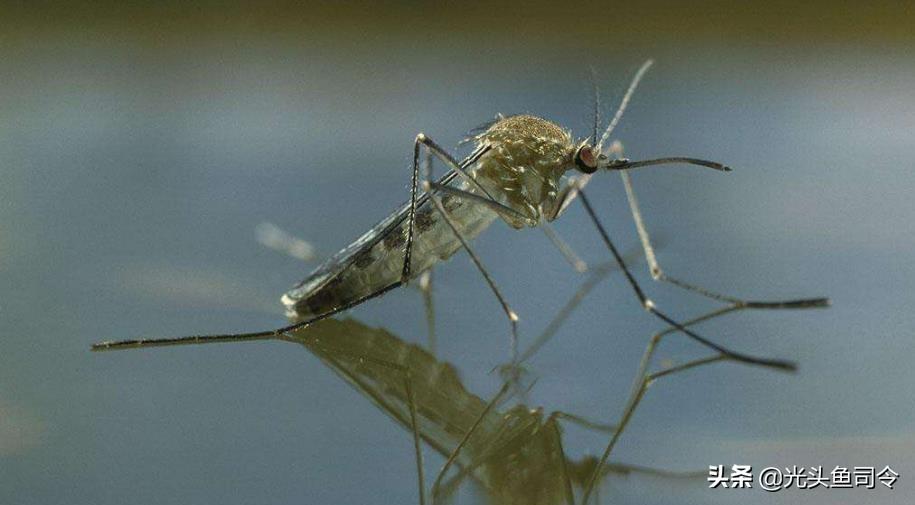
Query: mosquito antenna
623	103
276	334
595	90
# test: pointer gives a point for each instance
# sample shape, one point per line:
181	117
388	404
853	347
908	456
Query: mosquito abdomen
381	264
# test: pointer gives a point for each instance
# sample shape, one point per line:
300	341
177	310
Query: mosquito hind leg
650	306
425	280
277	333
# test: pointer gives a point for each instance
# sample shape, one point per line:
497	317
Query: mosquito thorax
528	158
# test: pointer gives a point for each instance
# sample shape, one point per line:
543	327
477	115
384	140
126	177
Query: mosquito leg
427	165
567	252
506	212
649	305
459	168
625	469
598	274
274	334
567	193
485	198
453	164
655	340
658	274
425	286
512	316
624	102
644	379
425	279
411	218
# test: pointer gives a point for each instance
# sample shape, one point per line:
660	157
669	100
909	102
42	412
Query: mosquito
524	170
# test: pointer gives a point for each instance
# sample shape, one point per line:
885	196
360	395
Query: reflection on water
516	455
137	159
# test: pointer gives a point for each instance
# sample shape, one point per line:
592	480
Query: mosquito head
588	159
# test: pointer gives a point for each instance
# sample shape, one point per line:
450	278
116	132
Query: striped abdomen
379	264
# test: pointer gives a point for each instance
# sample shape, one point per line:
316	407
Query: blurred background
141	145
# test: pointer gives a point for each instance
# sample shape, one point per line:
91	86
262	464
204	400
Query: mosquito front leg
659	275
650	306
644	379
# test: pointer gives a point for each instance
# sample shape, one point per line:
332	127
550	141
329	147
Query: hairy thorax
523	168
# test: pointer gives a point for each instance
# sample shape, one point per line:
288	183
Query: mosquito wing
328	270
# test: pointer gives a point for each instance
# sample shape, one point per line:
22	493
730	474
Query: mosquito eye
585	160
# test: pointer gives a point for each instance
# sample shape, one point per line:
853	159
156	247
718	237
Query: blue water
132	179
